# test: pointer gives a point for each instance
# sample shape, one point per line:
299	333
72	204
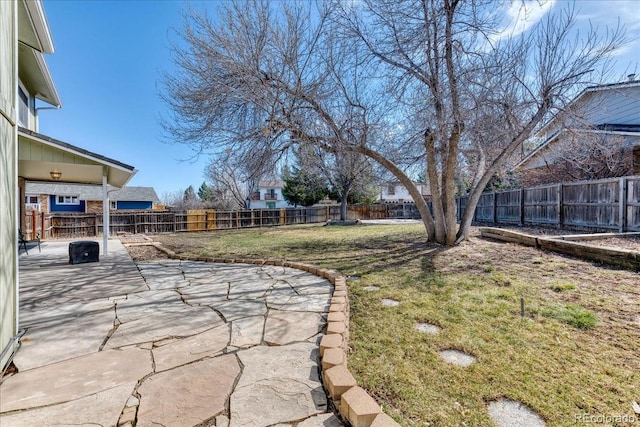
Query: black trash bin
84	251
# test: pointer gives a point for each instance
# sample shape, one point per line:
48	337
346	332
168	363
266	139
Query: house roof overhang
35	40
39	155
33	29
552	138
35	75
581	97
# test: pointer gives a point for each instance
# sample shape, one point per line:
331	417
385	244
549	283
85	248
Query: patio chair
22	241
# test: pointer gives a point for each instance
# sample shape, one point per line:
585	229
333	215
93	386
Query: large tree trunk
476	192
343	207
421	204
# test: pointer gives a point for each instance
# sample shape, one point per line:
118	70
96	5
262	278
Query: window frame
73	200
22	107
29	197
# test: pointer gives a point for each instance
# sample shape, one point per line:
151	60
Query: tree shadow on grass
368	256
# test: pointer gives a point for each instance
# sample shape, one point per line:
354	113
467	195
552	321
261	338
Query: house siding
604	106
269	200
400	193
8	177
620	106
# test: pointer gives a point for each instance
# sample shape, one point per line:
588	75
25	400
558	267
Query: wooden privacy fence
608	204
75	225
611	204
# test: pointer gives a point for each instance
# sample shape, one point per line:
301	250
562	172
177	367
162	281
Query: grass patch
577	354
562	287
572	314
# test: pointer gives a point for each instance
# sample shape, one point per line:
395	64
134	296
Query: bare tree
228	185
479	91
401	82
348	174
584	154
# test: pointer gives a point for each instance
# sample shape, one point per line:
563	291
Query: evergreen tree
205	193
302	188
189	195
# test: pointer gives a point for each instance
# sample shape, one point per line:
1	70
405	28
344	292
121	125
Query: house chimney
631	77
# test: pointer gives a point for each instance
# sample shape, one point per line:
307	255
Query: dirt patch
145	252
631	243
628	243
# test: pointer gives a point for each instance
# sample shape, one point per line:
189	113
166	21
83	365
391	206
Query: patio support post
105	214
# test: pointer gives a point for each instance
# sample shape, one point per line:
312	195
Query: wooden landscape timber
571	245
509	236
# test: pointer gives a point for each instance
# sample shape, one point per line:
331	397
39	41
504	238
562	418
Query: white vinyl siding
8	178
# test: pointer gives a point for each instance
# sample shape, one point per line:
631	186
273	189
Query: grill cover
84	251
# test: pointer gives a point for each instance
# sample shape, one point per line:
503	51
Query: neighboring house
61	197
268	196
598	133
26	155
394	192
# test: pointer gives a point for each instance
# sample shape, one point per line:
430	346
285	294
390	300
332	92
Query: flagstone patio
166	342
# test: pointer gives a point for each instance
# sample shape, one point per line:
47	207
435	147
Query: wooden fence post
622	205
42	226
560	194
522	206
34	224
495	207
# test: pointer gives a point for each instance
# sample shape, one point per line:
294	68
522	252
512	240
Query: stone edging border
353	402
570	244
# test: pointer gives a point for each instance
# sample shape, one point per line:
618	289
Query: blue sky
108	63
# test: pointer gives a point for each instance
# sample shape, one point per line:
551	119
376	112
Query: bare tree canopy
433	85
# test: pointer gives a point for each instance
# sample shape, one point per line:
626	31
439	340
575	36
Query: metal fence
609	204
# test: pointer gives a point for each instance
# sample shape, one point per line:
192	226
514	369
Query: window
23	107
271	194
271	205
32	202
391	189
67	200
